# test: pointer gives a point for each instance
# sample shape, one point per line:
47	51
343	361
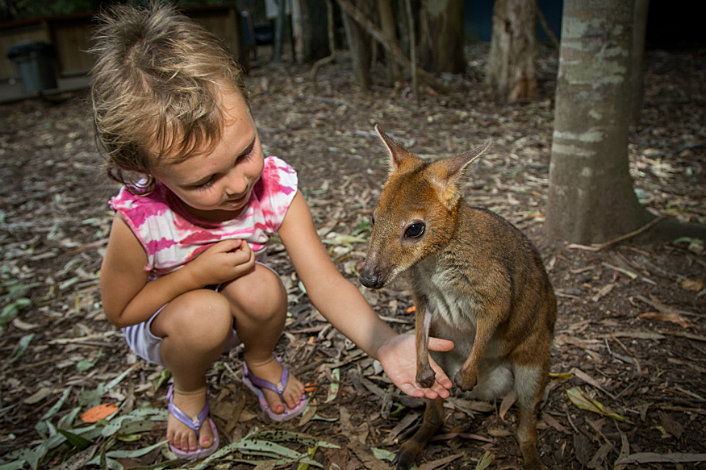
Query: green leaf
16	465
57	406
343	239
75	440
11	310
382	454
131	454
21	347
485	461
283	436
161	379
578	398
85	364
333	386
363	227
268	448
120	378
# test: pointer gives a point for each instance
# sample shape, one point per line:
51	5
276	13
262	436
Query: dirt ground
630	337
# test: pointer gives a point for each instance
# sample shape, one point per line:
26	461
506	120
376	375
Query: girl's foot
271	371
180	435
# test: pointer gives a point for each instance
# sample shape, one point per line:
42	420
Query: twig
666	309
601	246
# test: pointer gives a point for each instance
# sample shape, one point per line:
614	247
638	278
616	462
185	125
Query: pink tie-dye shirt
172	237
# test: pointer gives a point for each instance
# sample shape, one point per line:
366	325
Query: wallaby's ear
444	173
465	159
399	156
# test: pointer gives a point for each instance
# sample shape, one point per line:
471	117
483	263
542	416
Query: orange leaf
99	412
412	309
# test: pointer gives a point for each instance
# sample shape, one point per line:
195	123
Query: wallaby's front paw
426	377
465	381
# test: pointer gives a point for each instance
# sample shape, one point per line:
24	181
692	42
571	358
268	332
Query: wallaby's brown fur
476	280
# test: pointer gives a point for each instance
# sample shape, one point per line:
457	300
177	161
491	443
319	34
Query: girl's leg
259	304
195	327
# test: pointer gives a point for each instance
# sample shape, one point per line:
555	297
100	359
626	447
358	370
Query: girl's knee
259	294
202	315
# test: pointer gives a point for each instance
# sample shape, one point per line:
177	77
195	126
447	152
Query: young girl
184	273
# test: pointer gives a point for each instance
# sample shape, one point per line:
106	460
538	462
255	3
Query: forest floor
628	383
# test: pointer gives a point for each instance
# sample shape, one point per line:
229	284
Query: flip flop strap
193	423
278	388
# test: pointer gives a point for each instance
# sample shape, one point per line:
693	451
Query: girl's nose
236	183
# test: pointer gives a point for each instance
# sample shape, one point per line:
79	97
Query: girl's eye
207	184
415	230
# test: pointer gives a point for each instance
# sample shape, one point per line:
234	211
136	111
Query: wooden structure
71	34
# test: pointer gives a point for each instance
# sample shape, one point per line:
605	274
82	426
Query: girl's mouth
236	201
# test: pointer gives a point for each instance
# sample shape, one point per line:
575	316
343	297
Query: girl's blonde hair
155	89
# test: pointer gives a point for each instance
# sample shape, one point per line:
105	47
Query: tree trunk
591	196
309	30
387	22
638	54
359	45
354	13
441	33
513	50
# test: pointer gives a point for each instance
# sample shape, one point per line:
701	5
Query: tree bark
393	48
638	54
441	33
387	22
309	30
591	196
513	50
359	45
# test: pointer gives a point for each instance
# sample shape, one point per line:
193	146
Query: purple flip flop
256	384
194	423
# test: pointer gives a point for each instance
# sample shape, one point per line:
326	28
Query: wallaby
476	280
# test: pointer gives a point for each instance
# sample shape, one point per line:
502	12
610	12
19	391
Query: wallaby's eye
415	230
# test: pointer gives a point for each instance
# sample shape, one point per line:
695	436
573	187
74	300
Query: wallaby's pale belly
454	317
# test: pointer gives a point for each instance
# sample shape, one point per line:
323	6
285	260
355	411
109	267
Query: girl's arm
347	310
129	299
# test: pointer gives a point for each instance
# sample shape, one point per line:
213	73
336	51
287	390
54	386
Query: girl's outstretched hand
398	358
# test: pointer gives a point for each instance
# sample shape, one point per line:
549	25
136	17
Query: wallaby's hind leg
433	419
530	381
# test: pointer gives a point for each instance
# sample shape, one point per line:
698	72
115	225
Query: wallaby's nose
370	279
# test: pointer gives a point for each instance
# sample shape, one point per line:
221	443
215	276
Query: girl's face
216	185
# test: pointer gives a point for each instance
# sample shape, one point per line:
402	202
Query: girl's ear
400	157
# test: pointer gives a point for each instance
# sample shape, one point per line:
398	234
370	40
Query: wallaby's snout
371	279
373	275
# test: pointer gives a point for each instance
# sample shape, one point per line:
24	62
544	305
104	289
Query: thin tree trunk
359	45
332	44
441	29
387	20
412	50
513	50
393	48
638	54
